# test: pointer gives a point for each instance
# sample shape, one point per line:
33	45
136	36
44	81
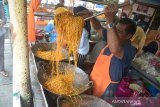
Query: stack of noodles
69	29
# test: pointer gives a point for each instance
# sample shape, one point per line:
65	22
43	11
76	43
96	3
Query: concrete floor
6	82
6	99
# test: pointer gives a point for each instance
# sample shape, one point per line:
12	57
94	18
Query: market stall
152	79
44	51
73	88
147	67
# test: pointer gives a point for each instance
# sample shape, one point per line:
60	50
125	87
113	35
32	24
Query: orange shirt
31	21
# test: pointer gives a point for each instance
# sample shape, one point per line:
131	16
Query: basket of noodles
64	79
47	51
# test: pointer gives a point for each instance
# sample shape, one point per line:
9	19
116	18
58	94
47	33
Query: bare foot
4	73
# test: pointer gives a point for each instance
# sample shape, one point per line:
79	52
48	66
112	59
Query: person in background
34	4
115	57
50	28
123	15
153	47
2	34
138	40
84	42
101	31
61	2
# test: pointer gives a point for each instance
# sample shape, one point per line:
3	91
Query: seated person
115	57
152	47
138	39
51	30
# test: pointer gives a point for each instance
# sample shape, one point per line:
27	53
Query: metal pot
81	101
47	47
81	81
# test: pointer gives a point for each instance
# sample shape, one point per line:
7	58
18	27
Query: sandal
4	73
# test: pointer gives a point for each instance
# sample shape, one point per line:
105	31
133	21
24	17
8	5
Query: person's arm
94	22
97	26
113	40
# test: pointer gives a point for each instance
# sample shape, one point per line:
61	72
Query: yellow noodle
49	55
61	84
69	29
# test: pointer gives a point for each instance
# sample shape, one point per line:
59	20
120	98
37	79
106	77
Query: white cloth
84	43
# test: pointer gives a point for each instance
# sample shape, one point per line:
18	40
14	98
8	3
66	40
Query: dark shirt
118	66
151	47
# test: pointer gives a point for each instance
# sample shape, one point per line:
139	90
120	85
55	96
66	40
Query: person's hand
110	12
85	13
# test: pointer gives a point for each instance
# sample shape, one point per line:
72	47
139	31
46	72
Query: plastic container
152	90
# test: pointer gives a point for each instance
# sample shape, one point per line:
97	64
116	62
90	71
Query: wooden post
151	21
21	75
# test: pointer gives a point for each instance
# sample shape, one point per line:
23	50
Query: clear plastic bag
148	63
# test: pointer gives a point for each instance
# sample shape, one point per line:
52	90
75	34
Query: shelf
96	2
44	14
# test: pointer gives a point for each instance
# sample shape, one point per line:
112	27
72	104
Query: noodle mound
61	84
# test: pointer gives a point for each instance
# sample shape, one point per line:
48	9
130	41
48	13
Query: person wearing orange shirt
31	21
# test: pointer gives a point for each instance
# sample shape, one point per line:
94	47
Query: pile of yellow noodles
61	84
69	29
